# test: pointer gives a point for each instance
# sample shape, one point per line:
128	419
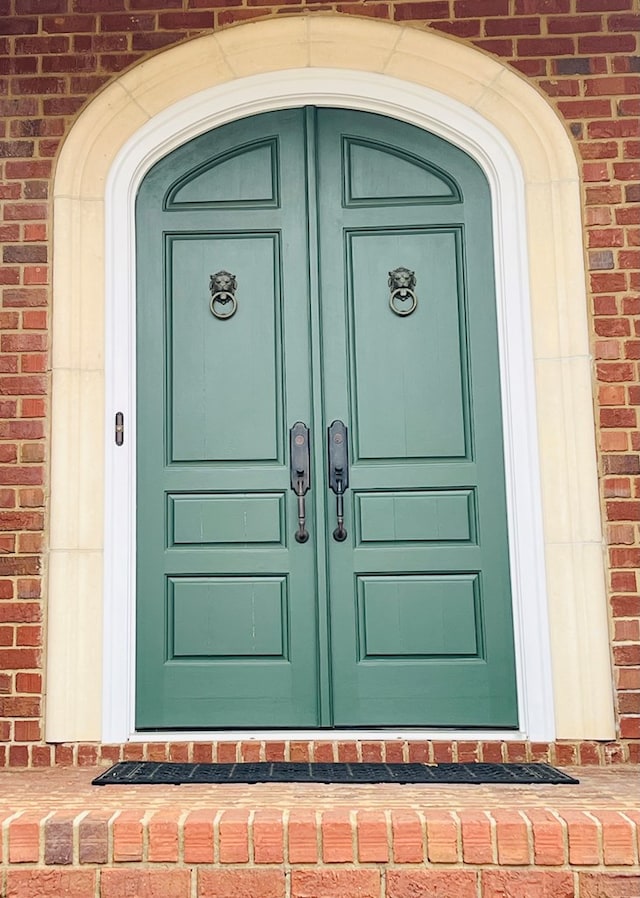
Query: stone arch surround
168	85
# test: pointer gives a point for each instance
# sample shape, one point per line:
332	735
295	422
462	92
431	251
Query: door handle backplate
300	460
338	448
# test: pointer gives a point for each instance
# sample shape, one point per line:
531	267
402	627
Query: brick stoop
62	837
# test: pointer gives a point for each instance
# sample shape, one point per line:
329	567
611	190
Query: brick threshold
63	837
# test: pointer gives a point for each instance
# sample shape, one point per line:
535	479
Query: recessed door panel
243	177
433	516
223	520
227	617
407	373
377	173
419	616
225	375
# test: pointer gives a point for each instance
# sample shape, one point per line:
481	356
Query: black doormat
130	773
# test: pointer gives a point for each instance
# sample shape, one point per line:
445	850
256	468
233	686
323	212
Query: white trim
333	735
460	125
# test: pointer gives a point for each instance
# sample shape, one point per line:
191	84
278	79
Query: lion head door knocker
403	300
223	286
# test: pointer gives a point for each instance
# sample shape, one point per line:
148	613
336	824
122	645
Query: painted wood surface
408	621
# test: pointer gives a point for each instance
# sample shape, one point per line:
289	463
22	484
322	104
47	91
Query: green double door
319	265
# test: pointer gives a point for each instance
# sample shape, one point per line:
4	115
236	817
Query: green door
353	256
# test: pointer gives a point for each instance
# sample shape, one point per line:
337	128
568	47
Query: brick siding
56	54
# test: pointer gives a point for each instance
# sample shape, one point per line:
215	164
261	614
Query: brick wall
56	54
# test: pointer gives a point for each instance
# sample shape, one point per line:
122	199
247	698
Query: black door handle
300	457
339	472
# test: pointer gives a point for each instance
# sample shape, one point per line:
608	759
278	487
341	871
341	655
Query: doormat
130	773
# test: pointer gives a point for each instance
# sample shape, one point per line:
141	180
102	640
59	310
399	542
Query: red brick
18	659
477	847
163	836
464	28
535	7
43	882
494	27
442	752
617	417
623	511
168	883
630	726
432	883
407	835
548	838
442	837
614	43
608	885
273	751
126	23
127	836
492	752
234	837
617	838
423	9
179	752
546	46
198	837
156	751
228	752
250	751
302	837
585	109
583	837
371	752
58	838
268	836
299	751
133	751
87	755
154	41
323	751
241	884
24	838
347	752
337	837
512	837
373	844
527	884
332	884
573	24
419	752
93	838
516	752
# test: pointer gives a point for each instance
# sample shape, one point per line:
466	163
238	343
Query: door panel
407	621
405	374
221	640
239	400
421	396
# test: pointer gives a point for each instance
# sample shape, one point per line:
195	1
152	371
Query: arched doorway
436	84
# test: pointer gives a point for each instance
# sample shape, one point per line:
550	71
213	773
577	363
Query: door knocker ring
223	286
401	283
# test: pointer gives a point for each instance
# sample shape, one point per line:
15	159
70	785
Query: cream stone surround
564	674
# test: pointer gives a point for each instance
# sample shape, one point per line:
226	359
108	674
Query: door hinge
119	429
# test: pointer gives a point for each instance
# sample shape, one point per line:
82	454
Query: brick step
62	837
174	882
